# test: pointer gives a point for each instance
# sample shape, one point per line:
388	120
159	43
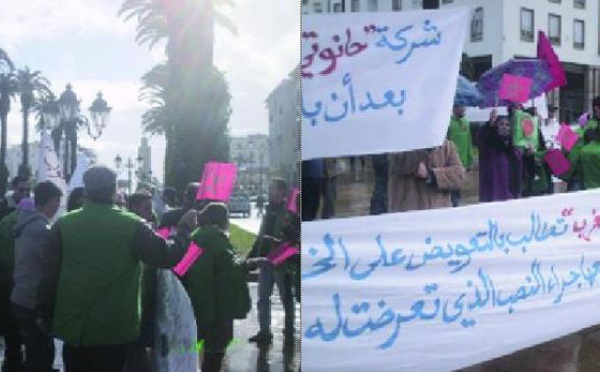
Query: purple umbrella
535	69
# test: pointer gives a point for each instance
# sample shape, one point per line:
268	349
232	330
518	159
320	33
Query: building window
318	7
555	1
355	6
372	6
446	1
579	4
396	5
337	7
477	25
554	29
527	24
578	34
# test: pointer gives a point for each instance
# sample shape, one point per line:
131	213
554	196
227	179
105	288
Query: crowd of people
89	278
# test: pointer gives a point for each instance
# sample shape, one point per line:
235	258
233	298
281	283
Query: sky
84	42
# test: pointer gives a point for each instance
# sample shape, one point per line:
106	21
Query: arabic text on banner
444	289
378	82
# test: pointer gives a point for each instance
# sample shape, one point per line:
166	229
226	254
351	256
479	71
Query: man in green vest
91	271
594	118
459	132
271	236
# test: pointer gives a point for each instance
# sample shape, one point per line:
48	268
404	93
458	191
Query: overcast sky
84	43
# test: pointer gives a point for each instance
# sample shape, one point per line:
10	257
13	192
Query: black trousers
106	358
311	196
9	329
39	346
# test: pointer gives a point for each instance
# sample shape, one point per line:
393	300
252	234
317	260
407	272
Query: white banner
378	82
50	169
444	289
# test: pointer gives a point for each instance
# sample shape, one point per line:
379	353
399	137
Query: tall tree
9	86
187	27
32	86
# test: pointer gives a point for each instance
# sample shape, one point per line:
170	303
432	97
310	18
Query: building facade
251	155
284	129
503	29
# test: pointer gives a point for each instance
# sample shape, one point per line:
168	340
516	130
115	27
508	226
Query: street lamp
71	119
129	165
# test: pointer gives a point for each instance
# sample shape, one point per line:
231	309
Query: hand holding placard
281	254
192	254
218	180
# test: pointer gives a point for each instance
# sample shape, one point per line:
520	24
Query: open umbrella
534	69
467	93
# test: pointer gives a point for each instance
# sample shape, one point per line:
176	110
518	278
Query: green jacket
591	124
216	282
459	132
7	253
519	138
574	157
93	273
590	165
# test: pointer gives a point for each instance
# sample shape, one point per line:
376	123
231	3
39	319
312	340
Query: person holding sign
459	132
422	179
271	236
525	131
90	292
216	283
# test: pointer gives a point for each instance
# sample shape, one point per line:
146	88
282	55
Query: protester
216	283
140	203
525	132
76	199
594	119
550	128
422	179
271	235
90	288
379	197
459	132
20	189
329	188
9	327
313	180
31	233
170	218
499	175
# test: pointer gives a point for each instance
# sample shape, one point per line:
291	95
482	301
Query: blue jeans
266	278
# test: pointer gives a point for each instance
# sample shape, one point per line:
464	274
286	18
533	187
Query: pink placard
279	255
515	88
192	254
567	137
557	162
218	180
292	205
165	232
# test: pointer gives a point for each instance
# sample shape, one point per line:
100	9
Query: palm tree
8	89
154	120
187	27
32	86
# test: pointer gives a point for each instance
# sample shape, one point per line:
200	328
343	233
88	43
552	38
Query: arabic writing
582	229
350	105
330	55
481	293
401	44
457	255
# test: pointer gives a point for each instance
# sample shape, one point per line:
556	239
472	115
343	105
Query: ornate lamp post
71	119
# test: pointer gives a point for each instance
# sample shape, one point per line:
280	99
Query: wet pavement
243	356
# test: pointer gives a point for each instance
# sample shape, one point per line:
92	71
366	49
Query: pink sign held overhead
292	204
192	254
165	232
567	137
218	180
515	88
281	254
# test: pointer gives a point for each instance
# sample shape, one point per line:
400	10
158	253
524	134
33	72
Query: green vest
98	294
519	138
459	132
590	165
591	124
7	253
216	282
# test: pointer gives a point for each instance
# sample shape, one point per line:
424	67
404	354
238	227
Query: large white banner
378	82
443	289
